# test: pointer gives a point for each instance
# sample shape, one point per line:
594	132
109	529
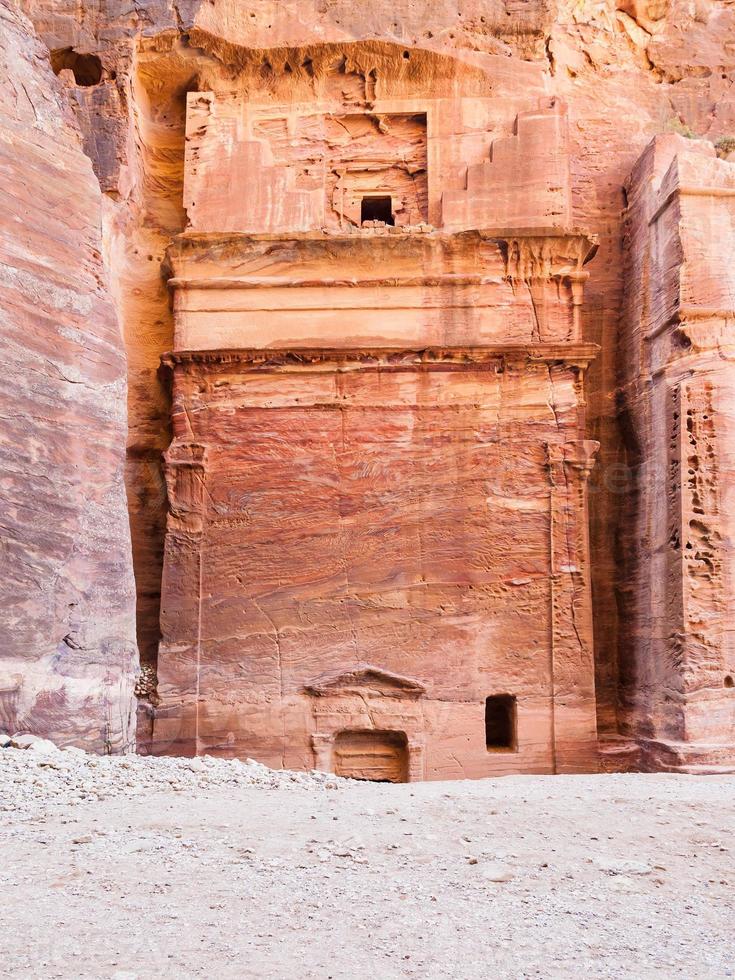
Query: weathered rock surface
343	502
625	69
68	656
368	407
679	398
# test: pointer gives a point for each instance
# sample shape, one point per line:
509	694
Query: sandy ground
154	869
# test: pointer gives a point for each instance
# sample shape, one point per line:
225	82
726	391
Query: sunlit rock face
263	140
68	660
679	660
376	557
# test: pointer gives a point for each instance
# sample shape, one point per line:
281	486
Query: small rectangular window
377	209
500	723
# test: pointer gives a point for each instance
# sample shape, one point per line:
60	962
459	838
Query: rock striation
378	384
235	143
68	660
678	659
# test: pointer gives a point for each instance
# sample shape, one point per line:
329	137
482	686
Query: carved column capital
582	456
578	456
547	256
185	472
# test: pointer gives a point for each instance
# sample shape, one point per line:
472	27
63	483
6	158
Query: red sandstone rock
68	657
679	658
622	72
377	556
361	510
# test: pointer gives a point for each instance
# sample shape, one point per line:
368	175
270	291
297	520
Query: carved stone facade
377	558
370	192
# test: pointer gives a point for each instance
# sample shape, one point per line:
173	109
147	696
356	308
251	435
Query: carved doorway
377	756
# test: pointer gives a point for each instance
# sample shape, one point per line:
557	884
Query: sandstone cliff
626	69
68	659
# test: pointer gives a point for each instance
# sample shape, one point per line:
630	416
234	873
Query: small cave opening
377	209
500	723
86	68
729	681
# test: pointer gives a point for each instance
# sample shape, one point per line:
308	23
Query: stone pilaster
574	728
176	720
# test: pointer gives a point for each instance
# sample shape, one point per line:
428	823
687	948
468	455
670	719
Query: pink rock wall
68	661
378	501
625	71
679	394
532	165
296	150
344	519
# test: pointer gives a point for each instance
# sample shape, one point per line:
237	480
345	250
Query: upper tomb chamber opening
308	140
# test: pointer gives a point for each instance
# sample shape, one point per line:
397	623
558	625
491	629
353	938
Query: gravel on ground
131	867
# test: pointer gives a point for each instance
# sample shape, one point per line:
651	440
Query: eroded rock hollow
425	309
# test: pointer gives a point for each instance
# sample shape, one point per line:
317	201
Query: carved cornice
365	678
197	240
431	358
543	256
448	279
526	253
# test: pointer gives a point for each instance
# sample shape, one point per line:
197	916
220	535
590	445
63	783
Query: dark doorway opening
380	757
500	723
377	209
87	68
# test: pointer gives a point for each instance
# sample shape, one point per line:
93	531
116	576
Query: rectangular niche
376	208
501	723
354	156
